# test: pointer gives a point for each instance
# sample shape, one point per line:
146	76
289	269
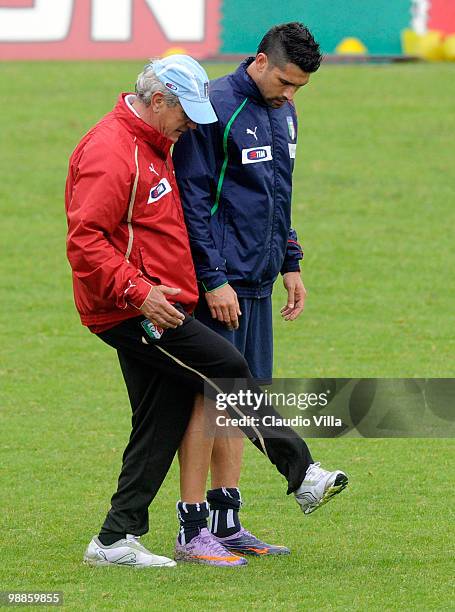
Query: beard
276	102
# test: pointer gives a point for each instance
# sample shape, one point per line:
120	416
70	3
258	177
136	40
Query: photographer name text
270	420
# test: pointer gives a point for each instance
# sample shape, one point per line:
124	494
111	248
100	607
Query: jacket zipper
272	222
131	206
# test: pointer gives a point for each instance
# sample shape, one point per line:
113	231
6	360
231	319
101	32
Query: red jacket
126	230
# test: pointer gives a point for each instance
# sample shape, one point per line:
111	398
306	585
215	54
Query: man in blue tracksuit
235	180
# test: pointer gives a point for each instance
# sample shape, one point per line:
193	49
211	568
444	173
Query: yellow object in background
410	42
351	46
430	46
174	51
448	48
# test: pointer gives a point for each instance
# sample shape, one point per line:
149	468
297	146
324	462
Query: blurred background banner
377	23
441	16
133	29
107	29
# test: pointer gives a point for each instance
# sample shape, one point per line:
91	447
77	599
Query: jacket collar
245	84
139	128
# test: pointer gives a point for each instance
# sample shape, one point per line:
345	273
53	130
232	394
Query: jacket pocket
147	267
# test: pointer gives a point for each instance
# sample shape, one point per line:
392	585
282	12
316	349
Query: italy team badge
291	127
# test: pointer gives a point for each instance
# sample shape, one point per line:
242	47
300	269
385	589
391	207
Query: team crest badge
291	127
158	191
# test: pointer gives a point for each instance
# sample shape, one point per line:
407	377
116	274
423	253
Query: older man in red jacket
135	287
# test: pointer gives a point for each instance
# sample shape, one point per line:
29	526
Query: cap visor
199	112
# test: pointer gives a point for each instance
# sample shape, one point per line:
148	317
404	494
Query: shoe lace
314	470
212	545
248	537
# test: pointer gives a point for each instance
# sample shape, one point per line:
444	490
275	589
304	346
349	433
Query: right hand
224	306
158	310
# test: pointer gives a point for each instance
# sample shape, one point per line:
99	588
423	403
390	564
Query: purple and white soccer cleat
205	548
245	543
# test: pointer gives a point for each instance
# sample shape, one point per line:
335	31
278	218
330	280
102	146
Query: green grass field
374	206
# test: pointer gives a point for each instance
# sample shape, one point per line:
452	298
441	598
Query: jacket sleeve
294	253
97	200
195	160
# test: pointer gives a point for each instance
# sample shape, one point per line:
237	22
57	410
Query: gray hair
148	83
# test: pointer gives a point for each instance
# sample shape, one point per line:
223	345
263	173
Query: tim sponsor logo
158	191
256	154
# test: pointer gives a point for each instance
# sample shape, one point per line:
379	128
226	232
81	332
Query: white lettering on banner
180	20
46	21
420	11
111	20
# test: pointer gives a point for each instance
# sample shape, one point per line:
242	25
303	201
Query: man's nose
191	124
289	93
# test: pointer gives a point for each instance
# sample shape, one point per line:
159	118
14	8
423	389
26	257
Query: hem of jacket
252	291
108	319
102	322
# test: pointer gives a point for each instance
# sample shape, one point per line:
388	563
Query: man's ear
157	102
262	62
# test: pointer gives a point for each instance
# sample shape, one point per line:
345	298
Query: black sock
109	537
224	504
192	518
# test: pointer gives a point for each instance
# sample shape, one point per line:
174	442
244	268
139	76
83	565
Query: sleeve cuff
290	266
137	292
217	280
214	288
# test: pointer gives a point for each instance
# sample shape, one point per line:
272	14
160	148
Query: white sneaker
127	551
319	487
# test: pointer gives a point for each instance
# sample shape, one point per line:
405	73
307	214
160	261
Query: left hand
296	296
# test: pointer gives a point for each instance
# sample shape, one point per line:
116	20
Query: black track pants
162	379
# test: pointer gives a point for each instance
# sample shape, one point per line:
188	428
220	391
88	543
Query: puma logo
130	286
252	132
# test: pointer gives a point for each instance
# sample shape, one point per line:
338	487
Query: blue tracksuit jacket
235	182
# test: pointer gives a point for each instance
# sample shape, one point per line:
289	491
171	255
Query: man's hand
296	296
158	310
224	306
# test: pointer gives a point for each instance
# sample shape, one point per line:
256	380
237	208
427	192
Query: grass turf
373	203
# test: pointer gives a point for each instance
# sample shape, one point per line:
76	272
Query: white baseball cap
187	79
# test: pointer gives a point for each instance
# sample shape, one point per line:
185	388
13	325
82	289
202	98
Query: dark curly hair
291	43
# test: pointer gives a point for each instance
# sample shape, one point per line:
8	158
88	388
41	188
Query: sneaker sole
103	563
255	553
182	557
341	482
